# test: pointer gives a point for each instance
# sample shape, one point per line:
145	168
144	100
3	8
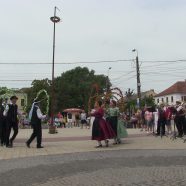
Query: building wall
170	99
22	101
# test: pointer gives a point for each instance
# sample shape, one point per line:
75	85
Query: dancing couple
102	129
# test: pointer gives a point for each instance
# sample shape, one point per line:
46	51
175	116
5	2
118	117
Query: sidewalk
70	140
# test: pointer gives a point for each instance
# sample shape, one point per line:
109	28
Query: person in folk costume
121	129
36	117
180	119
106	109
11	113
2	124
113	113
100	129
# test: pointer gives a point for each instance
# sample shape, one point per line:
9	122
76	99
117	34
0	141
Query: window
162	99
22	102
158	100
172	99
183	98
167	99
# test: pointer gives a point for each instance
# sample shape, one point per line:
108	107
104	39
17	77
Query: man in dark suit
36	117
2	124
11	113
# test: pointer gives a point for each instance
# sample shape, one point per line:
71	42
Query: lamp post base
52	129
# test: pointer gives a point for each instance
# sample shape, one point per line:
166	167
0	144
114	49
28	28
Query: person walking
2	124
11	114
36	117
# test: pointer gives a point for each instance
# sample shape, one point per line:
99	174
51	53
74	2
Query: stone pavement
78	140
70	159
101	168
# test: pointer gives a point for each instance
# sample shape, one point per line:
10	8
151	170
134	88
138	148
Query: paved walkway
70	140
101	168
70	159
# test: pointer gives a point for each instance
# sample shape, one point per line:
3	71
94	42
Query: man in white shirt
36	118
11	114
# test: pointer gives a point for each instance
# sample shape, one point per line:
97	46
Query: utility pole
55	20
138	80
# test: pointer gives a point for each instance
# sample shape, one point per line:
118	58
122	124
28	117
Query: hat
178	101
13	97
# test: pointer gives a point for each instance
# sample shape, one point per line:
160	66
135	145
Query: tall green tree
73	87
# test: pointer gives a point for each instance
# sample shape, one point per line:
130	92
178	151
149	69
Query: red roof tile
178	87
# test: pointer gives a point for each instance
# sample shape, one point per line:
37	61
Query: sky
94	31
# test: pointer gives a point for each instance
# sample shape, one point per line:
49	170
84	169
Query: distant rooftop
178	87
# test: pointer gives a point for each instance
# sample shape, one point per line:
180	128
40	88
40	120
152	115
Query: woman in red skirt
100	129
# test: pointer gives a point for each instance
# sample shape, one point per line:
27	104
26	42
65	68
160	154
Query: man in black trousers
36	116
161	121
11	113
180	119
2	124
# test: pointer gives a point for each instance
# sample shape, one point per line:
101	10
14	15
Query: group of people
9	114
8	120
107	124
67	120
159	120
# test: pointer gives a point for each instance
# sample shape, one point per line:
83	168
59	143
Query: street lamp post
138	79
55	20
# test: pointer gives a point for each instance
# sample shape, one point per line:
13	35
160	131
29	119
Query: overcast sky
95	30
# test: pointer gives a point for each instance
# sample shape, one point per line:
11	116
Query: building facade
176	92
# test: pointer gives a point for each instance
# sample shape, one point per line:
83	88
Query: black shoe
8	146
40	147
107	143
2	144
27	144
11	143
119	141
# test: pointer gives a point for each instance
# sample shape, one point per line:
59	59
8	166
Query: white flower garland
47	96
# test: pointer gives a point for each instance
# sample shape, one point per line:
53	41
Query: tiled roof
178	87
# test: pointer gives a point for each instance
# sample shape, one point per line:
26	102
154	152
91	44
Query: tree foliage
72	88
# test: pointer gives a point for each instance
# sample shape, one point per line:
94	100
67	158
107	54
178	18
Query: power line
123	75
15	80
163	61
63	63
